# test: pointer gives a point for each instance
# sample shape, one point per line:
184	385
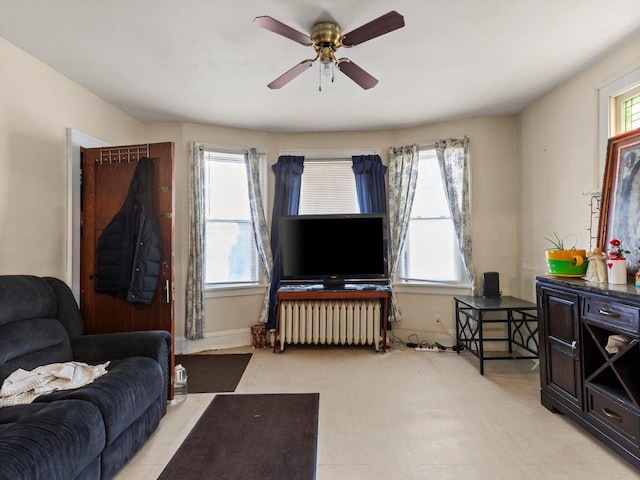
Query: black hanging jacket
129	250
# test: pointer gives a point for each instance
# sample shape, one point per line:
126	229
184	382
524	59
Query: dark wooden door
106	175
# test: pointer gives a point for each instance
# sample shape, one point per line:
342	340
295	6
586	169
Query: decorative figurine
259	334
597	269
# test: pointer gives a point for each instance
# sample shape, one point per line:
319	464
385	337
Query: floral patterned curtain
453	158
403	173
194	309
260	230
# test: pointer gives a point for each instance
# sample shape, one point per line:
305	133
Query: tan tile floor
407	415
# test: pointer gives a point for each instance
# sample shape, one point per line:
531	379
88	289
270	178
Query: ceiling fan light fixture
326	39
327	69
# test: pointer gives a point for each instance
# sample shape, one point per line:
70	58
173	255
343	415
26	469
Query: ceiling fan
326	39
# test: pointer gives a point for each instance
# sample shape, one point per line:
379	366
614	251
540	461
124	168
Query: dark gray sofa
89	432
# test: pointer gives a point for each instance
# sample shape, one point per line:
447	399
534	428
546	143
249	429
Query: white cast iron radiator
330	322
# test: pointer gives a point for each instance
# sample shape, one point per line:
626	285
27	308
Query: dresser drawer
624	421
611	313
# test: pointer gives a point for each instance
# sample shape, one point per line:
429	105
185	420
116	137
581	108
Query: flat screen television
334	249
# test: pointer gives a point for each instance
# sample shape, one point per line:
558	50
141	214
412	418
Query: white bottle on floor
179	383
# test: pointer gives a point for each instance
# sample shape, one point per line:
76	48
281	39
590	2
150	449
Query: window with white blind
230	251
328	187
430	252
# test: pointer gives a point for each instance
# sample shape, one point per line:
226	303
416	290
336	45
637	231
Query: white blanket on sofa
24	386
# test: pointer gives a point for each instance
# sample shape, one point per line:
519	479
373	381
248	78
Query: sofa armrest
99	348
111	346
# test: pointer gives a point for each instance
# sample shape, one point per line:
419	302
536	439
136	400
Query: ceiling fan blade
286	77
386	23
280	28
357	74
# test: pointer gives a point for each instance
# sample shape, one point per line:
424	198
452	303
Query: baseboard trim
214	341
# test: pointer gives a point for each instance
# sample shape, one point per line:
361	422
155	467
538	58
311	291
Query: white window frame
620	107
410	285
213	290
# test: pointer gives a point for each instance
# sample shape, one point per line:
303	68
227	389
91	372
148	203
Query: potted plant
616	263
563	261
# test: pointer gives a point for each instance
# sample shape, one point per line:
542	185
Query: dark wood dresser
596	386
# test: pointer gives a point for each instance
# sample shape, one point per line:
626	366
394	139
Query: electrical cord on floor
414	342
423	345
454	348
396	342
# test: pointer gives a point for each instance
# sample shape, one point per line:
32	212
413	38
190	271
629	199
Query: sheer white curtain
252	159
194	308
453	158
403	173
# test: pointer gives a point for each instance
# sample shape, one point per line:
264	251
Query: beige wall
225	314
559	161
37	106
522	169
493	151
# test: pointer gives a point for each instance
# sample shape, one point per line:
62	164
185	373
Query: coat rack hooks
123	154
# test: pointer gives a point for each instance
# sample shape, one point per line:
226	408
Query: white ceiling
205	62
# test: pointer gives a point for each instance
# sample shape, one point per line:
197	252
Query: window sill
401	287
432	288
234	291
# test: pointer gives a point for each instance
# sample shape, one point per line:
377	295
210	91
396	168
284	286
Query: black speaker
490	285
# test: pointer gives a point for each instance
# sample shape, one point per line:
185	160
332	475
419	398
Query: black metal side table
520	317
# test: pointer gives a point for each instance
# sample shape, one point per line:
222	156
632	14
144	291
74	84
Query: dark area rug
251	437
214	373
